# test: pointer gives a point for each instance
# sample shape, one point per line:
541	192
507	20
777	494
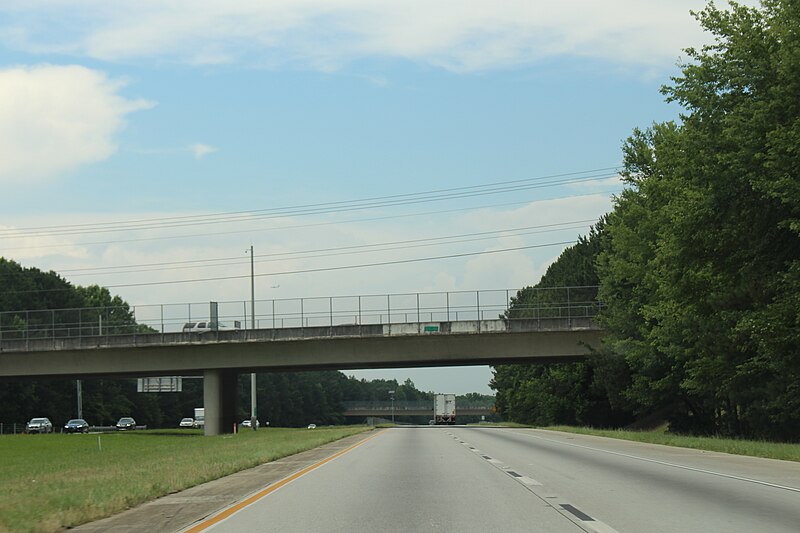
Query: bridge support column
219	400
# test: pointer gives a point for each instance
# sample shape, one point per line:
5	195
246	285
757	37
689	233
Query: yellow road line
205	524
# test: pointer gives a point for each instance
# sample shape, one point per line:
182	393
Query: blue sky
115	112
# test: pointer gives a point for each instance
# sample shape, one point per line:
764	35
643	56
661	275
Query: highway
456	479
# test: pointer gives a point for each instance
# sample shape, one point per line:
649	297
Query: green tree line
698	263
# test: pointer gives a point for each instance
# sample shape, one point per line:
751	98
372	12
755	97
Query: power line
344	267
312	209
396	200
335	254
334	251
303	226
310	270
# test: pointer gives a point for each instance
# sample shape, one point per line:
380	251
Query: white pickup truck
207	325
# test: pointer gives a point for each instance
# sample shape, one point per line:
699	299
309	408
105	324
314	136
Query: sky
359	147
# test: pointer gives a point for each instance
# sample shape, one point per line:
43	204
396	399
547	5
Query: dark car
39	425
126	423
76	425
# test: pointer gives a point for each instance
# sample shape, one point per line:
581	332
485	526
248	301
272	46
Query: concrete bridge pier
219	400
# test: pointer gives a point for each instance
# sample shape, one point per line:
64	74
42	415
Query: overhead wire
338	207
306	271
311	209
344	267
251	230
334	251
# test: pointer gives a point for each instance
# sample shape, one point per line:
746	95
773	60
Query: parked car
249	423
39	425
205	326
126	423
76	425
186	423
312	426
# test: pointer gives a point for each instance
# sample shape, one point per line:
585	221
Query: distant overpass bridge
386	409
409	331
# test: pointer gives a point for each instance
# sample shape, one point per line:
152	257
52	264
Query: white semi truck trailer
199	417
444	409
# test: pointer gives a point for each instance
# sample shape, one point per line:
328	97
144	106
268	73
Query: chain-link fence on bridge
545	303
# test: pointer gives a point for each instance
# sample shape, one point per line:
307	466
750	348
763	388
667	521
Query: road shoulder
180	510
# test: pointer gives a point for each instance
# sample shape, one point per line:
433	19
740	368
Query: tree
572	393
570	282
111	313
700	268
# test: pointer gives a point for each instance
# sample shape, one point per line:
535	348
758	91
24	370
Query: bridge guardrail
109	321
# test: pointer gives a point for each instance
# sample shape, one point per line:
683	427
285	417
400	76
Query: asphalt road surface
462	479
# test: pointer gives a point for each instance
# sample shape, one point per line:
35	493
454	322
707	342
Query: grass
769	450
51	482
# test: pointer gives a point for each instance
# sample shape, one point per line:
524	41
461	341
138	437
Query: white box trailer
444	409
199	417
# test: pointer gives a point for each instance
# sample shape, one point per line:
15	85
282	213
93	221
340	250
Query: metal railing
432	307
13	428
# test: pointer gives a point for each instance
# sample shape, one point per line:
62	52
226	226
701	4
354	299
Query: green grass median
51	482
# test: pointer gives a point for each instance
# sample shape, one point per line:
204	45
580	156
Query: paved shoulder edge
180	510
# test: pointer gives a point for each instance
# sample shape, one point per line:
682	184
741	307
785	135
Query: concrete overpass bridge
403	408
418	336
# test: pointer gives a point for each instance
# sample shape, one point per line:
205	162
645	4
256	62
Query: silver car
39	425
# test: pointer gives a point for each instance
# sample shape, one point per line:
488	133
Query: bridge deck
338	347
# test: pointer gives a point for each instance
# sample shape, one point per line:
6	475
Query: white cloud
201	150
324	34
56	118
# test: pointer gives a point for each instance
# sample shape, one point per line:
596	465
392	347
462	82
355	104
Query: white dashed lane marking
565	508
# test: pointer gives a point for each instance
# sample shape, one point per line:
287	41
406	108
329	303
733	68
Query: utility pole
252	291
253	415
80	399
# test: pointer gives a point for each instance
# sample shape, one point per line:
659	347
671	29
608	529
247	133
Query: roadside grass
769	450
52	482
